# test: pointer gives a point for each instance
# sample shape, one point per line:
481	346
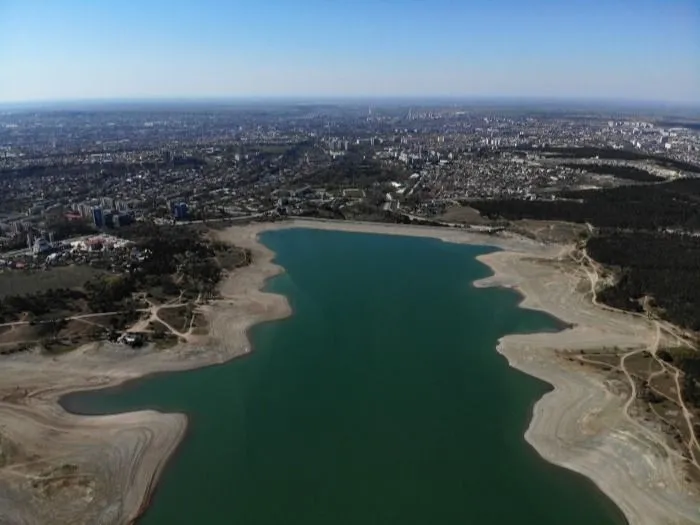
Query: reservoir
382	400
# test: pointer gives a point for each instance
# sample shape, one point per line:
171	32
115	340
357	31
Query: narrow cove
381	400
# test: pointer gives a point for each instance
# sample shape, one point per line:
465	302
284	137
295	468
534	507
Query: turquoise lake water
382	400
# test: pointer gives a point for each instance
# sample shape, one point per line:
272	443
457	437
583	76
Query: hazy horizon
369	101
71	51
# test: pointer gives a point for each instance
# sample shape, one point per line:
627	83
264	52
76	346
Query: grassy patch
178	317
21	282
200	326
463	214
162	337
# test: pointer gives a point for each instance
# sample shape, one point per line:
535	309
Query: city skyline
618	50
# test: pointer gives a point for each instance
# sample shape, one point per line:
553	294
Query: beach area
114	462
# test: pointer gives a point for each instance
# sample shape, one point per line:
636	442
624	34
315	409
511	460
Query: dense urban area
111	166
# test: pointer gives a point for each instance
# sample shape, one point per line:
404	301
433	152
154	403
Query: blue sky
613	49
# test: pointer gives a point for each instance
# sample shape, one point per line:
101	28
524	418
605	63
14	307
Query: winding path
592	271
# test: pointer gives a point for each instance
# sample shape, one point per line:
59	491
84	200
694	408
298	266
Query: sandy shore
112	462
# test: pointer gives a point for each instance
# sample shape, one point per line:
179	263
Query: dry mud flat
64	469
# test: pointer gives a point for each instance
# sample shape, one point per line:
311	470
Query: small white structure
41	245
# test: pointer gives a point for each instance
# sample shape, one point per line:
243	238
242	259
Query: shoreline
122	455
577	425
580	424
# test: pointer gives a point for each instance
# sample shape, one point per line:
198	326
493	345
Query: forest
354	170
590	152
645	233
662	266
674	205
